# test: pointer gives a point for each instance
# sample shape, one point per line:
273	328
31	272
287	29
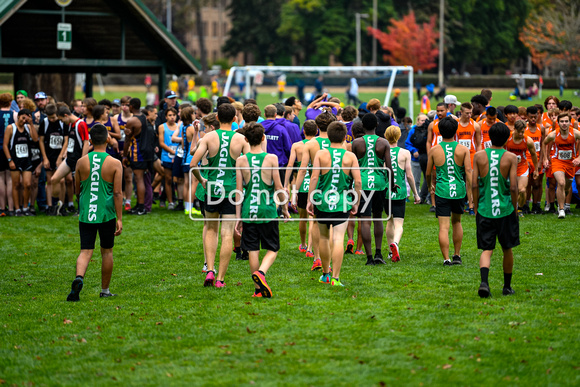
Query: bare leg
227	233
254	260
365	229
179	182
397	229
457	233
267	261
56	177
324	247
9	191
561	191
48	188
316	240
128	175
16	188
26	183
302	225
390	230
337	248
140	185
522	187
444	236
83	261
210	241
169	185
3	195
33	189
106	267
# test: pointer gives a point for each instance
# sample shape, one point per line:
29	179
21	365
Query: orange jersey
519	150
485	140
437	138
545	119
536	137
466	136
564	152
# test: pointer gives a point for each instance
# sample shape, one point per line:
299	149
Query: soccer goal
254	75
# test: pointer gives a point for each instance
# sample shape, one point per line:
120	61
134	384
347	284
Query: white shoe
561	214
171	206
547	208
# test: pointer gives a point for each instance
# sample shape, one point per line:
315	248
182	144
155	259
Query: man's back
97	174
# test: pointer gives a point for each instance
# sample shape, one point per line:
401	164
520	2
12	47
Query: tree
409	43
551	34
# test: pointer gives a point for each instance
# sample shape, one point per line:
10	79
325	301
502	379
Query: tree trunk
203	52
59	86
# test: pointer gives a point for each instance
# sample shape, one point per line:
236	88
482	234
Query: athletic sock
369	257
55	201
79	276
507	280
237	249
566	206
378	252
484	274
187	206
106	291
261	272
70	204
25	209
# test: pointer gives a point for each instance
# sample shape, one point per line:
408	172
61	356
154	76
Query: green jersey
494	190
200	192
450	181
96	202
372	179
306	182
222	181
332	191
323	143
259	197
398	176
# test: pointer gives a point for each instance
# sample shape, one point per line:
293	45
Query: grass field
411	323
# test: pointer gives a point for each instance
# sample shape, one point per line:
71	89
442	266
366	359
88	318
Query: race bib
71	145
487	144
537	145
179	152
55	142
122	135
21	151
173	148
35	154
519	158
565	155
466	143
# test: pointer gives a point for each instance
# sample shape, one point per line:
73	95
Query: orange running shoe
309	254
359	252
302	248
316	265
395	252
349	246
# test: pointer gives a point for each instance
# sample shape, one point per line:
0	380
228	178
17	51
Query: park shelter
107	36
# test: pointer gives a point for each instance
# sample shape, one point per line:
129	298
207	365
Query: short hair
466	105
23	112
487	94
63	111
238	105
310	128
548	100
186	115
480	99
374	104
532	110
125	99
170	110
106	102
98	111
392	134
251	112
447	127
349	113
74	102
287	111
223	99
211	120
323	120
254	132
574	109
90	103
442	104
553	111
50	109
510	109
491	111
29	104
5	100
369	122
499	134
99	133
334	99
135	103
357	129
249	101
270	111
520	125
336	132
149	108
408	120
540	108
565	105
564	114
279	109
290	101
204	105
226	113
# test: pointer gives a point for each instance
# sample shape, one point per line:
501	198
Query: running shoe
209	279
316	265
520	213
302	248
394	252
3	213
258	295
349	247
162	204
245	255
561	214
447	263
179	207
359	252
195	211
508	291
260	280
171	206
186	212
525	209
238	254
456	260
204	269
471	211
567	211
220	284
309	254
127	206
76	287
19	212
27	212
370	261
336	282
105	295
432	209
325	278
547	207
58	207
379	260
484	291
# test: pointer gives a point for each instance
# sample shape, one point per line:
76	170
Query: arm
576	161
313	183
45	161
32	127
118	196
545	144
176	137
79	176
7	135
532	150
468	170
63	152
162	143
514	180
411	178
290	167
355	173
429	137
409	145
197	156
273	162
474	182
116	130
241	162
428	171
477	137
313	103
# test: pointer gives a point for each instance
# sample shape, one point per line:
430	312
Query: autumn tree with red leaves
409	43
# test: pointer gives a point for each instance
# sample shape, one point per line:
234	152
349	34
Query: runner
329	198
7	117
564	162
169	148
260	181
122	119
99	181
451	162
519	144
511	114
549	149
469	135
486	124
536	132
222	148
372	151
401	167
17	139
187	136
434	138
495	190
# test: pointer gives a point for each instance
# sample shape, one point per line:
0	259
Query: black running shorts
302	200
506	229
265	235
88	233
375	199
224	207
396	209
444	207
336	218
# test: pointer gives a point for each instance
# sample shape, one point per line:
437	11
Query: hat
40	95
116	102
24	93
397	91
170	94
363	108
430	88
451	99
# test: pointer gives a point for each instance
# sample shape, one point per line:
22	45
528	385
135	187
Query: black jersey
53	133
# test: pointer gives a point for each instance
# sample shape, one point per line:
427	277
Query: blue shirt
409	145
278	141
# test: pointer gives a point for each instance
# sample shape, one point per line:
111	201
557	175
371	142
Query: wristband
9	160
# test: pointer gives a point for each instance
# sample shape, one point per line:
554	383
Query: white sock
567	206
25	209
187	206
70	204
106	291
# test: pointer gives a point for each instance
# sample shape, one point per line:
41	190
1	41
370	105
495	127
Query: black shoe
432	209
27	212
179	207
104	295
63	212
239	255
370	262
18	213
456	260
379	260
525	209
552	209
508	291
32	211
11	213
245	255
71	210
536	210
76	287
447	263
484	291
567	211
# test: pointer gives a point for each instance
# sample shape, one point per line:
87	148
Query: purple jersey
291	129
349	137
311	114
278	142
